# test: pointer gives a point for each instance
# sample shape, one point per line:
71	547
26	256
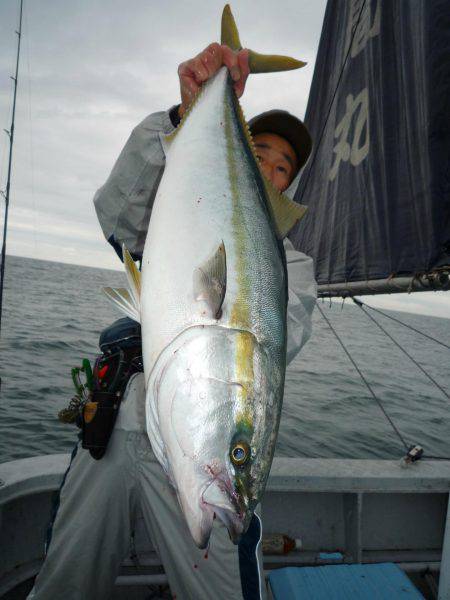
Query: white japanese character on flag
357	151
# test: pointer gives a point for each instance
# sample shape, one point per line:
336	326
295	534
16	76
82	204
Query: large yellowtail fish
212	305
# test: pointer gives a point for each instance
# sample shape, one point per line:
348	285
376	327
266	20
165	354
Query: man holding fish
216	337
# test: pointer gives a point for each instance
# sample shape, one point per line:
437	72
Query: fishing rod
6	192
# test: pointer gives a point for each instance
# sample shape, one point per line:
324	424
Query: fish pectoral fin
286	212
258	63
210	281
133	277
121	298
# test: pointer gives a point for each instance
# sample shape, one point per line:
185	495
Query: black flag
378	182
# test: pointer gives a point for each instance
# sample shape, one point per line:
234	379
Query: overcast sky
91	70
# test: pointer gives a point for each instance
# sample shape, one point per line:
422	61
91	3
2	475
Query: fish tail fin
229	34
258	63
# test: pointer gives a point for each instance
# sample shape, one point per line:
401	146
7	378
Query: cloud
25	220
90	71
88	75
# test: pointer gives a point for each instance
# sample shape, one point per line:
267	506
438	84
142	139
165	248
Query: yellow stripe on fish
240	312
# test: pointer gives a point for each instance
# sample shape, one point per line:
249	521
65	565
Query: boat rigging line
401	348
407	447
369	387
6	192
360	303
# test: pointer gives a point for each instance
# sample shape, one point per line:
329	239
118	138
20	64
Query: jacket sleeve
302	299
124	203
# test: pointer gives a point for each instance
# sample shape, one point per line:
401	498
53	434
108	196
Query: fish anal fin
133	276
122	299
210	281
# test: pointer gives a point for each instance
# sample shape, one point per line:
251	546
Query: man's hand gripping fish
212	304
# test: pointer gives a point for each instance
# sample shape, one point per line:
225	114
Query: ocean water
53	314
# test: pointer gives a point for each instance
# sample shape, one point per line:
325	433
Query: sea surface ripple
54	313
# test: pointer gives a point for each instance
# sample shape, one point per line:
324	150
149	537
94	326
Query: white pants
99	502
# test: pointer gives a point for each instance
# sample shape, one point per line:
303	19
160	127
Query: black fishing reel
95	406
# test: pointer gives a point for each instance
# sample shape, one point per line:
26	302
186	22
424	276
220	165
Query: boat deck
344	511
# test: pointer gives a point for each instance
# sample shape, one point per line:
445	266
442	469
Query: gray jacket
124	204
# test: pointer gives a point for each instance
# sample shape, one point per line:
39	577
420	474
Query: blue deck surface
343	582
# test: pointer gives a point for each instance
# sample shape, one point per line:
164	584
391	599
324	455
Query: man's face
277	159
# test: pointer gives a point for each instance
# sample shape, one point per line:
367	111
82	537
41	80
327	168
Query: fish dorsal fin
133	277
122	299
210	281
286	212
258	63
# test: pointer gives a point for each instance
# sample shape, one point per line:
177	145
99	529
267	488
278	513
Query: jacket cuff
175	115
168	119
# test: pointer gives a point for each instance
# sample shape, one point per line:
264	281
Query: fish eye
240	453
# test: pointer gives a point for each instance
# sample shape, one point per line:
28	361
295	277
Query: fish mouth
219	499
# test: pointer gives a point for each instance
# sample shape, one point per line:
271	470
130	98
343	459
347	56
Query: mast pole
437	280
6	193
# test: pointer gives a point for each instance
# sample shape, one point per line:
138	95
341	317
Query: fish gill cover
377	185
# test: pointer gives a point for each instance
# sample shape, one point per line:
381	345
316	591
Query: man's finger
194	72
193	69
211	58
242	58
198	69
188	86
229	59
